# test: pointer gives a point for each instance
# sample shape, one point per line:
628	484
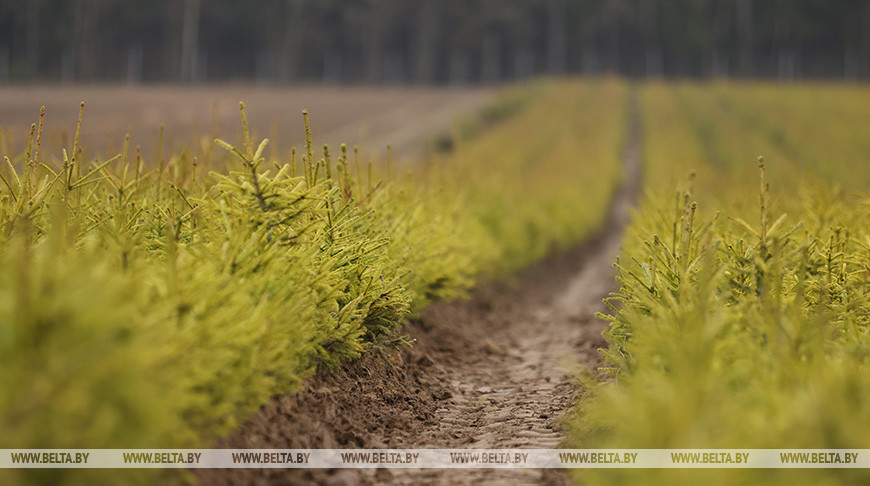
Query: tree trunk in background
33	38
490	70
426	52
524	62
744	38
855	25
394	68
373	55
4	64
648	19
190	41
171	46
611	49
557	36
288	55
459	70
721	26
783	52
864	44
590	53
85	16
333	67
709	16
135	56
373	58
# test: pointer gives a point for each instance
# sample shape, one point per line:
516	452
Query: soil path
492	372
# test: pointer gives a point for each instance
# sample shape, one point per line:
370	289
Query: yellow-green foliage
819	127
145	306
732	329
567	146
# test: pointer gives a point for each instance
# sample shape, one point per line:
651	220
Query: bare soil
491	372
370	117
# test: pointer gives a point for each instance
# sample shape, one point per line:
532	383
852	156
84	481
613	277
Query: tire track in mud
492	372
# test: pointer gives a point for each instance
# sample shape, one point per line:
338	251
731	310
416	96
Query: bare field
370	117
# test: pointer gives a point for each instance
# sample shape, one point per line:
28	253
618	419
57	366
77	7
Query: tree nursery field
573	263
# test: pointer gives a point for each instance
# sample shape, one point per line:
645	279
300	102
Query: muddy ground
494	371
370	117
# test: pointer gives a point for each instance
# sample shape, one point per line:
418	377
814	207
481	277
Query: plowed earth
370	117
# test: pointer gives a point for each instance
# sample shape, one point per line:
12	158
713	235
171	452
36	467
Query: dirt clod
490	347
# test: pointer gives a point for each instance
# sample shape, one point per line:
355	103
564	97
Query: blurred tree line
429	41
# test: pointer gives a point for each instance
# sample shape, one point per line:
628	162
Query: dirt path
493	372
